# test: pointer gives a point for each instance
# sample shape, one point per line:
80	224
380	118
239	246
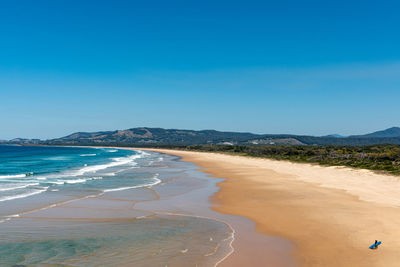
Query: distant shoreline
381	159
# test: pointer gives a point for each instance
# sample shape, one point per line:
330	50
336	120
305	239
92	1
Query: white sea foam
77	181
12	176
87	155
33	192
13	216
156	181
58	158
114	163
58	182
111	150
30	187
4	220
11	187
144	153
130	160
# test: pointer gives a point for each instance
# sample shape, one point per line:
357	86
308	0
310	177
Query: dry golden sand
331	214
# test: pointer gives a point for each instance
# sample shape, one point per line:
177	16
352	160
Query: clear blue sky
301	67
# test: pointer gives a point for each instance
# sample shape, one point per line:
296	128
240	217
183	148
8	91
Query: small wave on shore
23	195
10	187
12	176
155	182
115	162
96	166
101	198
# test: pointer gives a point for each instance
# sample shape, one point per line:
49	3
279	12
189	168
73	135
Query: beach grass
381	158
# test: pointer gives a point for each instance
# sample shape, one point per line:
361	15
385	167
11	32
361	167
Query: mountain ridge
145	136
389	132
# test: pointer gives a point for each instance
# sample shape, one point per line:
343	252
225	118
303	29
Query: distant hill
154	136
335	135
145	136
390	132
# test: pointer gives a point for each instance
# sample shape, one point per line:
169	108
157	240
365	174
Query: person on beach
376	243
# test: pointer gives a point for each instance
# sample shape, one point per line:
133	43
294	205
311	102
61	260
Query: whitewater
29	171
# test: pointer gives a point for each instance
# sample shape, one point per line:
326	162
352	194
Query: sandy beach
331	214
143	209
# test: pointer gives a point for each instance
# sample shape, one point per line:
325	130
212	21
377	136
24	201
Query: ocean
81	206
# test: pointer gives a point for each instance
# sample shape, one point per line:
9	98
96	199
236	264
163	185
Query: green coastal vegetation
384	158
379	151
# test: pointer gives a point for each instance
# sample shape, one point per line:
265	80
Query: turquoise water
27	170
71	206
158	241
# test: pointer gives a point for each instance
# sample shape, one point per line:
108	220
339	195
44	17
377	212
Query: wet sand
181	199
331	214
142	226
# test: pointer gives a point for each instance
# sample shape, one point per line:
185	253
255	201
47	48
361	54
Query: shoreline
285	213
248	246
331	214
183	195
171	200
